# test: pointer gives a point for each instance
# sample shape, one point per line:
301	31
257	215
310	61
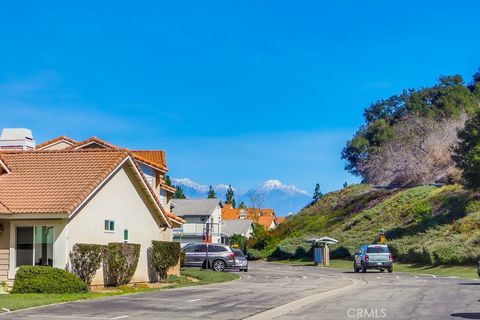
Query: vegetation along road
279	291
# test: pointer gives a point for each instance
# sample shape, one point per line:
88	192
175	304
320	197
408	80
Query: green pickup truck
374	256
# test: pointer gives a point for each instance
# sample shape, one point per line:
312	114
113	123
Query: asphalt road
274	291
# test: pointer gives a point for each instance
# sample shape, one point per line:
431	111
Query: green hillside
425	224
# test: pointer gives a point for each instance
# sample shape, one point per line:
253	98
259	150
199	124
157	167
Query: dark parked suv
220	257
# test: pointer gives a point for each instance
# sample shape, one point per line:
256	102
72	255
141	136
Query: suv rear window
238	253
378	249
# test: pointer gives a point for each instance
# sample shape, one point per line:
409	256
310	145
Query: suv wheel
219	265
390	269
364	268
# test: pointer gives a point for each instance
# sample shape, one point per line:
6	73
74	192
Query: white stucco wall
121	200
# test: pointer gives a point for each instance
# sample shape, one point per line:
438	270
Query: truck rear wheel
364	268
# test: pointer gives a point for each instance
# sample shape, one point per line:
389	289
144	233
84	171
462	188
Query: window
377	249
125	235
201	248
214	248
34	246
109	225
190	248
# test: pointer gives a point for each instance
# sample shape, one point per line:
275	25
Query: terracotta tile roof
53	181
155	158
265	221
59	181
94	140
280	219
53	141
229	213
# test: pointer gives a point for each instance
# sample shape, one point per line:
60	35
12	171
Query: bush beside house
86	259
39	279
120	262
165	255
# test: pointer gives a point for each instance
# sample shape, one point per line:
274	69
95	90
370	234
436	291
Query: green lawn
22	301
469	272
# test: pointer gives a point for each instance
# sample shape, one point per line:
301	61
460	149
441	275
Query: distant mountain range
283	198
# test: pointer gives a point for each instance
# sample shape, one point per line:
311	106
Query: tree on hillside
211	193
345	184
179	193
408	138
317	194
467	153
168	181
230	196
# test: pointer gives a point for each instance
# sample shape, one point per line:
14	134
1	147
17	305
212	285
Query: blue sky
235	92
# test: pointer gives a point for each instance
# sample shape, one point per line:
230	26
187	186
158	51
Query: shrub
422	211
255	254
165	255
39	279
473	206
86	259
120	262
339	253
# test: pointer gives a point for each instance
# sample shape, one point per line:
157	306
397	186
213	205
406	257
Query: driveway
274	291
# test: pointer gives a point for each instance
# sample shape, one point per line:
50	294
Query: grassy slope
467	272
22	301
424	224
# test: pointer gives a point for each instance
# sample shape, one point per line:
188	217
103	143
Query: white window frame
108	230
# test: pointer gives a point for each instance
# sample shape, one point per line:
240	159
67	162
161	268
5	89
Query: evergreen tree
467	153
317	195
211	193
168	181
345	184
230	197
179	193
242	205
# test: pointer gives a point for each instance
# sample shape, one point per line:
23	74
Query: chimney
16	139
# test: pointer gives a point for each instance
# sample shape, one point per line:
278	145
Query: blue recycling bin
318	255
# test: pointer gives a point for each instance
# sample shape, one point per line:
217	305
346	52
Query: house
242	227
260	216
153	163
51	200
202	220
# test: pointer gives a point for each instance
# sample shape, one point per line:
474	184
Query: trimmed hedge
86	259
120	262
165	255
40	279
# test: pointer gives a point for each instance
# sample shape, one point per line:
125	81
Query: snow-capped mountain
274	194
283	198
194	190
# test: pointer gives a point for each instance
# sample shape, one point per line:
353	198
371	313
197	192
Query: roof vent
17	139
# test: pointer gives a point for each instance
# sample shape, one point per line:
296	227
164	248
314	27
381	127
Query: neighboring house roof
60	181
231	227
55	141
228	212
155	157
280	220
266	221
200	207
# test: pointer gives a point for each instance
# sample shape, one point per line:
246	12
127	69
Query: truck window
378	249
